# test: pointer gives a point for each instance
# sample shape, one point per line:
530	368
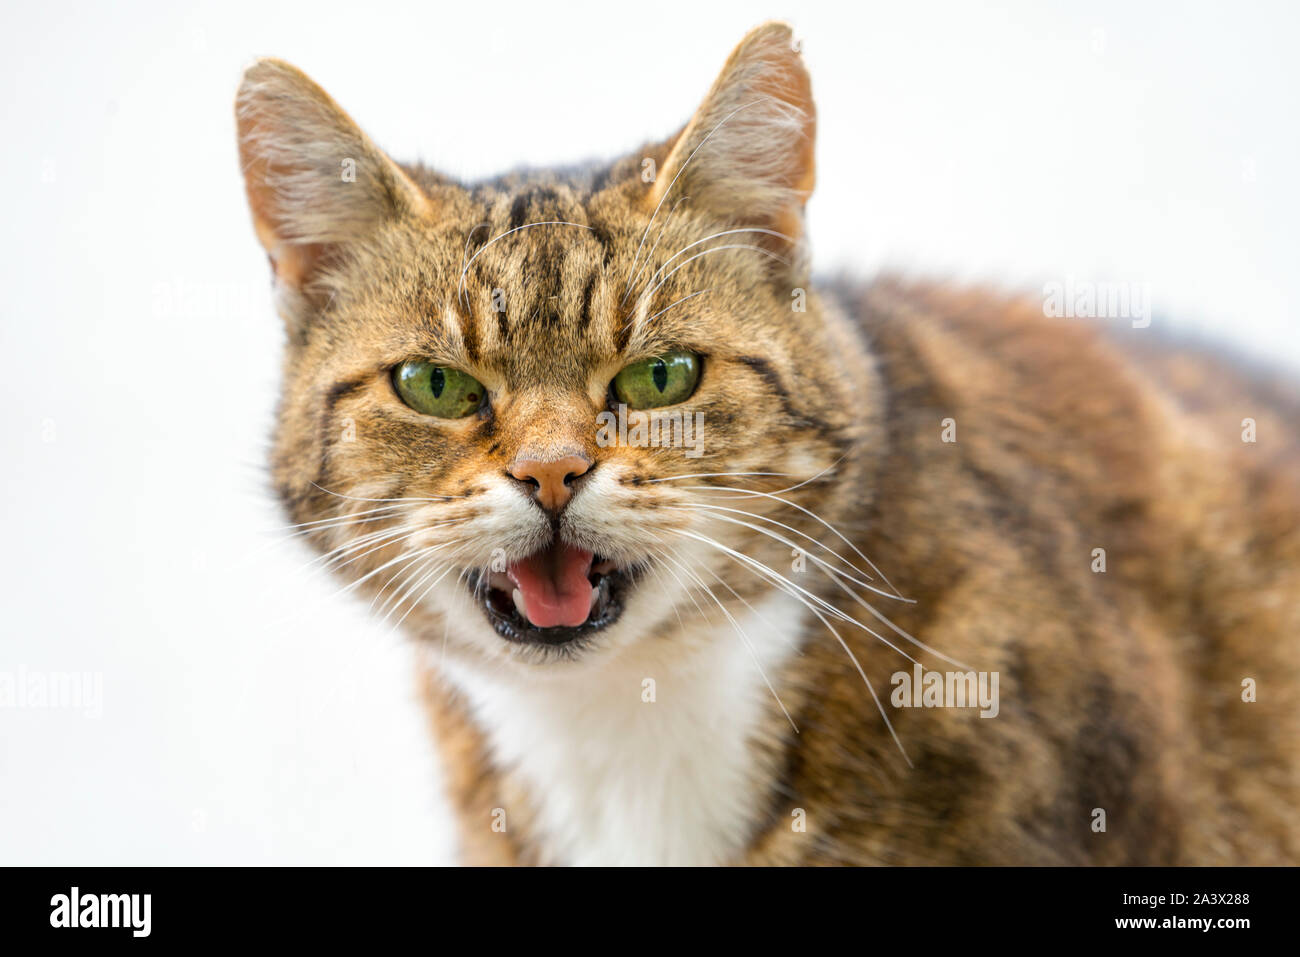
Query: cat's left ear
315	182
747	153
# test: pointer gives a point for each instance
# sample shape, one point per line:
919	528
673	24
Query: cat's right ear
315	182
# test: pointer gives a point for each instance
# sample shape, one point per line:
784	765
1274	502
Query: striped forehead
536	281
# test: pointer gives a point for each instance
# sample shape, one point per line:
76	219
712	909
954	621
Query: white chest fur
614	778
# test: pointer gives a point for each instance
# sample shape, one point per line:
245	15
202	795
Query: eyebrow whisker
460	287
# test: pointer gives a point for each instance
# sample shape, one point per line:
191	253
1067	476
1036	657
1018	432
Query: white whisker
786	585
724	232
627	287
645	296
749	646
355	498
788	528
781	581
667	307
811	514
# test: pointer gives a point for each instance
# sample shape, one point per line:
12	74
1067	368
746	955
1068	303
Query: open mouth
553	596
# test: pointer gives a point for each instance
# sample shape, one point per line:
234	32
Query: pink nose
551	480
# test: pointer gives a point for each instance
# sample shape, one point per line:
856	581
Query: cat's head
556	414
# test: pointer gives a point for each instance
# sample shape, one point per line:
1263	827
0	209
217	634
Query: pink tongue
555	586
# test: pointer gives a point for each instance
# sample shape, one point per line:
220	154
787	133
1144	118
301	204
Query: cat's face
546	417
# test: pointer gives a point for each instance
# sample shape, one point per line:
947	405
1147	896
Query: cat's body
977	452
1120	690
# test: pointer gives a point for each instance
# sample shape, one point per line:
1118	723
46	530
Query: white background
247	714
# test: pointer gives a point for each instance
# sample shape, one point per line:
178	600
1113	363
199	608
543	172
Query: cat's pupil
660	374
437	381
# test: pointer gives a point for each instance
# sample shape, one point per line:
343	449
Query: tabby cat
700	556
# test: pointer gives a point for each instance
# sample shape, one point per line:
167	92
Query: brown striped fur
1120	690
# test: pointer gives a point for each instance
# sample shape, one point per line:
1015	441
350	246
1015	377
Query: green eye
437	390
663	380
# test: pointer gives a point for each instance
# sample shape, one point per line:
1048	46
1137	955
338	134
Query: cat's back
1086	514
1111	421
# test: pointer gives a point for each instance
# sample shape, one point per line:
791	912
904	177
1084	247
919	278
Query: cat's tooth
518	596
595	597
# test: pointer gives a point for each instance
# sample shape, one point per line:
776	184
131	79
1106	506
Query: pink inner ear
292	264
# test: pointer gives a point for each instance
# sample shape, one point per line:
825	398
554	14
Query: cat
943	579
